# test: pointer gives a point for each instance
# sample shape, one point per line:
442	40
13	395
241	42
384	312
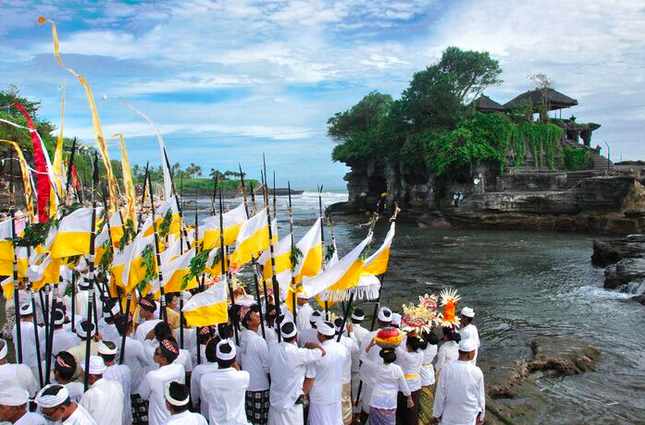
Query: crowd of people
265	366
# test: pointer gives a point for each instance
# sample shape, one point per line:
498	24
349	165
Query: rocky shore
624	263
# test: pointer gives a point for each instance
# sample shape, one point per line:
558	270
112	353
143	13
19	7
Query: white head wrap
289	334
225	356
81	332
468	312
104	349
467	345
302	296
385	315
59	317
97	366
396	319
3	351
173	401
14	396
316	316
358	315
48	401
26	310
326	328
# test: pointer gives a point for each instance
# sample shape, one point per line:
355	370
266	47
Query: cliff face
592	200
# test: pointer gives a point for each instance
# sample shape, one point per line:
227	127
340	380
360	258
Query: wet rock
562	356
611	252
639	298
624	272
502	380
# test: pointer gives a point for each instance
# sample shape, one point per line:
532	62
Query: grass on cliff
206	185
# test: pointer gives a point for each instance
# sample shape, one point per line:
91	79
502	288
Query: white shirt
122	375
195	380
76	391
303	317
427	370
286	388
104	401
253	357
410	363
28	343
186	418
80	417
308	335
30	418
153	389
328	374
144	329
135	358
109	332
360	332
386	380
470	332
184	358
460	394
350	343
18	375
63	341
448	353
223	396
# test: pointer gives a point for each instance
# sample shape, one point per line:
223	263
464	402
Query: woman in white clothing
386	379
449	350
429	346
410	359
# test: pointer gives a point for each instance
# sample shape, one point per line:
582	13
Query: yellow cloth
173	318
347	404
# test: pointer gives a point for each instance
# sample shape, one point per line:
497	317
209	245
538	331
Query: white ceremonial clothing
104	400
271	336
410	363
470	332
308	335
108	331
193	354
350	343
195	380
186	418
448	353
76	390
18	375
79	353
359	334
28	344
253	357
374	356
223	396
82	295
153	389
63	341
326	392
386	381
189	340
135	359
80	417
303	317
288	366
122	375
144	329
460	397
427	369
31	418
185	359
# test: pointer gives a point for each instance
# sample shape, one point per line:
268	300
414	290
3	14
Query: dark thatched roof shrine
554	99
485	104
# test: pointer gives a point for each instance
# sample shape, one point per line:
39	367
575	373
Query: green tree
193	170
217	174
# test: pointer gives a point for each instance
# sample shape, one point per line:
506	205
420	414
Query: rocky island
452	156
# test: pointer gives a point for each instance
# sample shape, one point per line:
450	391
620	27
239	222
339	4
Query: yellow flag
209	307
128	183
58	164
26	183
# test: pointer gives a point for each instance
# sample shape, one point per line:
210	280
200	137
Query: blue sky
226	81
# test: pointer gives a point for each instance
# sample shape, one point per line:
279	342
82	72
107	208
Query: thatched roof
485	104
555	99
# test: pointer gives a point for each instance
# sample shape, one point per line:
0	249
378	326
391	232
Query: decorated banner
209	307
26	181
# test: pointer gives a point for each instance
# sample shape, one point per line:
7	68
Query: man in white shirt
304	312
358	315
163	331
84	331
223	390
311	333
350	343
288	365
135	355
254	358
177	402
468	330
56	406
15	375
460	397
325	378
107	327
147	308
13	407
118	373
64	369
104	398
63	339
154	386
28	337
210	365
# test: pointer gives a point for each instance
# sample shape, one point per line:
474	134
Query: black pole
69	167
36	338
224	261
162	300
126	327
322	238
274	278
73	300
293	266
91	298
50	335
143	195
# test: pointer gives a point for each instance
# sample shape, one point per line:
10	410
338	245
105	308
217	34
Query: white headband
48	401
358	317
174	401
385	315
97	366
104	349
81	332
225	356
290	334
326	328
14	396
3	352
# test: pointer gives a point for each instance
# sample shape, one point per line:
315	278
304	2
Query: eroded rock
562	356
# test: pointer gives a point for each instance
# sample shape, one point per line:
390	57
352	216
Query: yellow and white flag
73	234
312	252
44	272
135	271
281	255
338	278
209	307
376	264
214	263
119	262
174	272
6	246
100	245
231	221
116	226
253	238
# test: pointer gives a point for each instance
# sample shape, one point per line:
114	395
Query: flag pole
38	358
274	278
322	239
293	266
16	287
224	268
91	299
253	260
162	299
143	195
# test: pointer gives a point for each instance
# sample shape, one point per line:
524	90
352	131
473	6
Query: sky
226	81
